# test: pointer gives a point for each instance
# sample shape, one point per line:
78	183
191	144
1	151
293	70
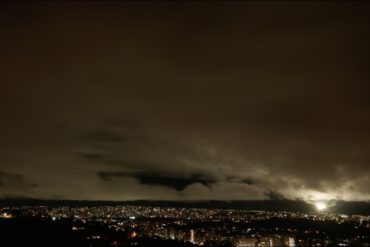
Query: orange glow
133	234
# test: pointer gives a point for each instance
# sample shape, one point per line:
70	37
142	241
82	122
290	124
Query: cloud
273	195
242	104
15	184
102	136
151	178
9	179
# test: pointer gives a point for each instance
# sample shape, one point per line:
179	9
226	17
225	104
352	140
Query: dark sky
183	101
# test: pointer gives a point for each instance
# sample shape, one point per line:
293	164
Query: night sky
185	100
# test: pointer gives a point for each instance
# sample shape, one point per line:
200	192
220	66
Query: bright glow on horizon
320	206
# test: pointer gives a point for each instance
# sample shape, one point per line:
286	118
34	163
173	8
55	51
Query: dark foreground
45	233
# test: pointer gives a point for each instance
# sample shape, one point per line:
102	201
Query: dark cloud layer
174	101
178	183
14	184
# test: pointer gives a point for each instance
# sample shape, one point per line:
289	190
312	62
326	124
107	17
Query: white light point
320	206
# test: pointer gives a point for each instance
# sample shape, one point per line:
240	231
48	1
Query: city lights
201	226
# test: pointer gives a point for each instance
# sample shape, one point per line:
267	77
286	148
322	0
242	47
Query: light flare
320	206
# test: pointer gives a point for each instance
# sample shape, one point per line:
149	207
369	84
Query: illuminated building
192	236
245	242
